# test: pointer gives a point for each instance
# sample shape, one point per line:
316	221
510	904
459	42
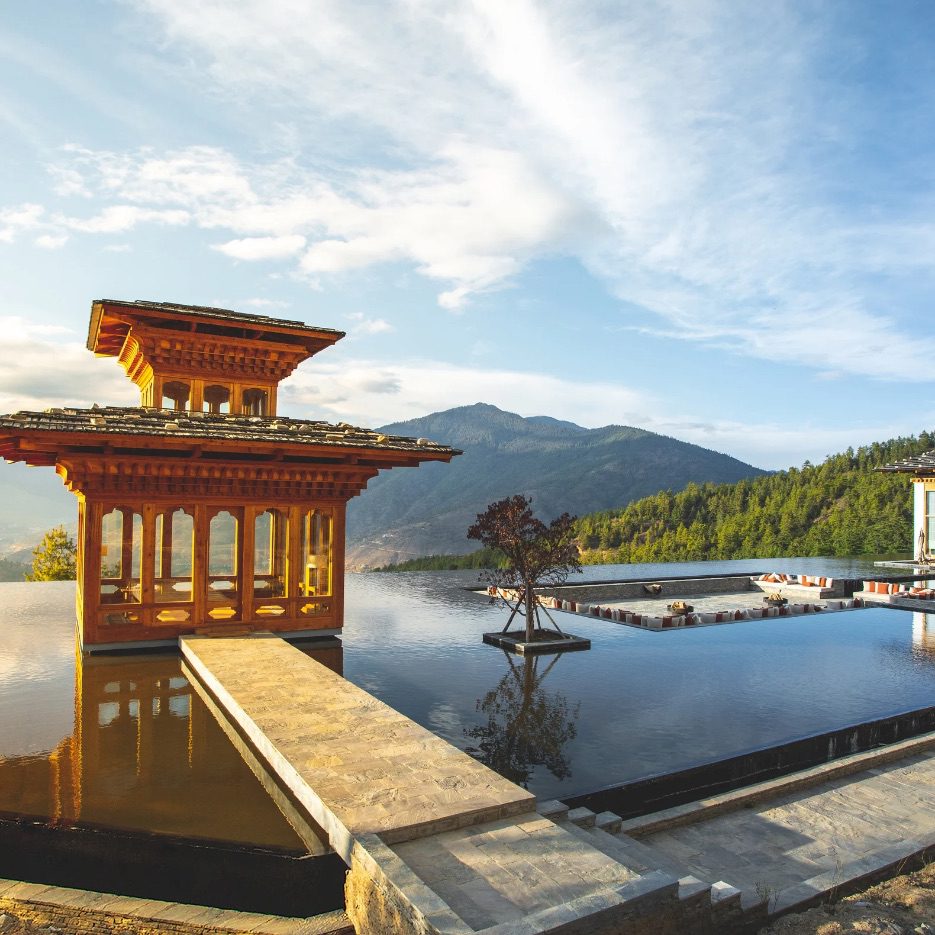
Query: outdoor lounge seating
889	592
810	587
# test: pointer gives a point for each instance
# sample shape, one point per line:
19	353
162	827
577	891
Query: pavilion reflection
145	754
923	635
526	727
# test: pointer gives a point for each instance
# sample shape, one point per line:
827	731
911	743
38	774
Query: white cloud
13	221
116	219
364	325
262	248
37	372
470	217
370	392
265	303
51	241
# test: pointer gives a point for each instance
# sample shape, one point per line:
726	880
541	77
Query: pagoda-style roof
121	427
139	453
112	320
920	465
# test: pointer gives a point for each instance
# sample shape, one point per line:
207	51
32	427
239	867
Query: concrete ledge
702	809
707	781
83	910
516	644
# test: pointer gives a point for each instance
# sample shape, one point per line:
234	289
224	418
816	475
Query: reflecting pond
121	740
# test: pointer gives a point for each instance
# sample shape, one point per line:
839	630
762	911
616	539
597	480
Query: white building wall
918	501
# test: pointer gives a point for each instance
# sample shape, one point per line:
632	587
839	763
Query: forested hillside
838	507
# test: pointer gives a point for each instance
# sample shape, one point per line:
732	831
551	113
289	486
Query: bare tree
536	555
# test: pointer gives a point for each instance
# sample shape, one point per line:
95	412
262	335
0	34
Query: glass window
223	564
217	399
316	553
930	520
121	544
175	395
174	547
269	556
254	402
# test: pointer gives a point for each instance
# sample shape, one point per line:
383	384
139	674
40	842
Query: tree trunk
530	611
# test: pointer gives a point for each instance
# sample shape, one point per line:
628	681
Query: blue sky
709	219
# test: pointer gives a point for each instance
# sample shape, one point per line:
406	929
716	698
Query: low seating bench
806	586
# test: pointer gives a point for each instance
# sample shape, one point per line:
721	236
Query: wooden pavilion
202	510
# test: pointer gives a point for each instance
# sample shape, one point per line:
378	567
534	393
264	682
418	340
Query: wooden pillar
126	545
91	570
245	560
337	562
165	546
295	561
197	396
200	566
148	561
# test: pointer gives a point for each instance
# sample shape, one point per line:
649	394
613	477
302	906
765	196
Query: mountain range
562	466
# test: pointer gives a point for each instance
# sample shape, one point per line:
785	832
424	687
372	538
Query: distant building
922	470
202	510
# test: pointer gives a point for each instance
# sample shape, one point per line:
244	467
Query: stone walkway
373	769
436	841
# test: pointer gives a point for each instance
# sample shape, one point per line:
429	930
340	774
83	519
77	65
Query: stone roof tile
208	311
917	464
119	420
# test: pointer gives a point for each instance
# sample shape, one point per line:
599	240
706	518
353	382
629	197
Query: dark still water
122	741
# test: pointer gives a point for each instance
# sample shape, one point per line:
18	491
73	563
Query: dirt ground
903	905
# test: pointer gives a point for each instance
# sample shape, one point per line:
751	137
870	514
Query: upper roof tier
195	358
113	319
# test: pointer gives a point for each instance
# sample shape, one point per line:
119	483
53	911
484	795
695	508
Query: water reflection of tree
526	726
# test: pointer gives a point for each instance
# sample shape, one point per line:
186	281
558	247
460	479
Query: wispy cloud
51	241
40	366
263	248
695	157
43	366
364	325
367	392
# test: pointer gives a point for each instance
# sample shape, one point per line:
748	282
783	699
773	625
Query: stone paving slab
702	603
508	870
357	765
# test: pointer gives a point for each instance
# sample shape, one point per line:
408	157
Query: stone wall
676	587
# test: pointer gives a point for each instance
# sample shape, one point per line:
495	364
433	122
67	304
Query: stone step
608	821
553	809
632	854
582	817
726	908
